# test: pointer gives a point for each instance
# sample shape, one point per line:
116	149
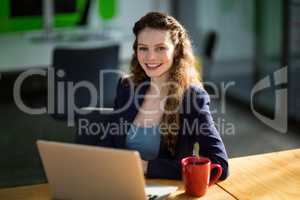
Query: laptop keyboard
159	192
151	197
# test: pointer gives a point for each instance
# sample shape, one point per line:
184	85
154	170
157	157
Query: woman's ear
176	53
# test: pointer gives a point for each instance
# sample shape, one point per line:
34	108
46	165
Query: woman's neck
160	85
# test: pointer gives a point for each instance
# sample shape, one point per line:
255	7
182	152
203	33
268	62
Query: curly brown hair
182	71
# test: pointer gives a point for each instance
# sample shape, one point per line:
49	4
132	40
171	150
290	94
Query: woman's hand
145	166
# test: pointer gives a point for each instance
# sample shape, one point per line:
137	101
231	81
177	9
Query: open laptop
87	172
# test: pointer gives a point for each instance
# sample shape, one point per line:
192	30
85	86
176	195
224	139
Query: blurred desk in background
26	50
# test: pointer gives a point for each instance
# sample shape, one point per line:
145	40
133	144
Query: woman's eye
142	48
161	48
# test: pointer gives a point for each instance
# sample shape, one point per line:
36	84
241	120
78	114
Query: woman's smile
152	66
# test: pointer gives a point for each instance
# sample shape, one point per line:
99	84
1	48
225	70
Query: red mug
196	174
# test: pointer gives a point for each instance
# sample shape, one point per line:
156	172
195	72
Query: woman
163	101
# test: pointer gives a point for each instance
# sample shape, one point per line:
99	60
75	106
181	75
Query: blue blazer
197	125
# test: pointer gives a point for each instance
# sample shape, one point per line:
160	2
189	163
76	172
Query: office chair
75	67
209	49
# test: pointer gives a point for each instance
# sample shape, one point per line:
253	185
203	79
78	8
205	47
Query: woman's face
155	51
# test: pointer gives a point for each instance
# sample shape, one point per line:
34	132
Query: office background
238	42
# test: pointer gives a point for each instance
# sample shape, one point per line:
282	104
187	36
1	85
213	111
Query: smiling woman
163	101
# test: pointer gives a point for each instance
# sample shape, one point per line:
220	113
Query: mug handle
214	179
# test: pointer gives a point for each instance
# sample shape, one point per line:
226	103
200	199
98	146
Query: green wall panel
8	24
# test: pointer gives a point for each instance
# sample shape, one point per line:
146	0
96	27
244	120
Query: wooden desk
266	176
41	192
